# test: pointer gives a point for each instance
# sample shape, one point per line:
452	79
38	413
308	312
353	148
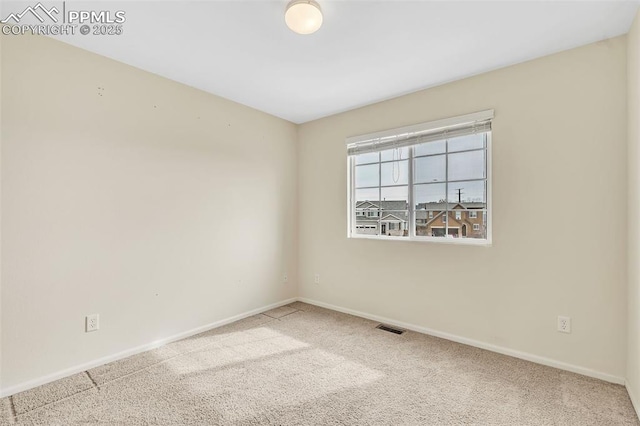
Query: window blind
423	133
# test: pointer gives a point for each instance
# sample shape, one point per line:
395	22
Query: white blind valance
421	133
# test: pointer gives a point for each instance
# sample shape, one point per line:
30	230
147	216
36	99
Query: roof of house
382	205
450	206
397	210
402	205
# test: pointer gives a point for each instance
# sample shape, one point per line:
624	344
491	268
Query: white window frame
458	215
412	237
476	226
473	214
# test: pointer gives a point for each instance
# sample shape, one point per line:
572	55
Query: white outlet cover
92	323
564	324
317	279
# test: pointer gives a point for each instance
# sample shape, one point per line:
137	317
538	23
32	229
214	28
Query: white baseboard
133	351
634	399
478	344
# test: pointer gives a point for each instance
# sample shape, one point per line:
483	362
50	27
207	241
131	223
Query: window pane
367	211
395	223
430	213
395	173
430	197
430	169
429	148
430	223
473	224
436	231
366	226
470	194
370	195
423	218
395	154
367	176
467	142
394	198
467	165
366	229
371	157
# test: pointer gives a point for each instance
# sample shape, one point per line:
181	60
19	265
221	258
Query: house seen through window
429	184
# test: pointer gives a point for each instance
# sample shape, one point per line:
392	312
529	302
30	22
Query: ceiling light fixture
303	16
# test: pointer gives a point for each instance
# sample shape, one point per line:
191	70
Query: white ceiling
365	52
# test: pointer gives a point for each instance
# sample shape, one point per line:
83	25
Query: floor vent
390	329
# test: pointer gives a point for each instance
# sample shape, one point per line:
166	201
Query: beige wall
633	82
559	147
1	43
158	206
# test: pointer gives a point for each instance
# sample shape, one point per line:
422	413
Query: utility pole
459	194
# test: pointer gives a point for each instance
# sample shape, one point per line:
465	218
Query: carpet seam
91	378
12	407
282	316
167	360
53	402
114	380
16	415
290	313
145	347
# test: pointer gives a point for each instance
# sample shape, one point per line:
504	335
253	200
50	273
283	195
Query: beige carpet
303	365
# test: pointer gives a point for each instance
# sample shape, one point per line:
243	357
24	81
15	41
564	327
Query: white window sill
436	240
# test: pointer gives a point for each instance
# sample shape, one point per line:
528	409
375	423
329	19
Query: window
417	173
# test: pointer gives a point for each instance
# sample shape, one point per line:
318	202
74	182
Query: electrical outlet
285	278
564	324
317	279
92	323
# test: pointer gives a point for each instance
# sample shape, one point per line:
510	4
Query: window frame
412	237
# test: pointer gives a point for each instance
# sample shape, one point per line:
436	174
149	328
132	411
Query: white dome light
303	16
